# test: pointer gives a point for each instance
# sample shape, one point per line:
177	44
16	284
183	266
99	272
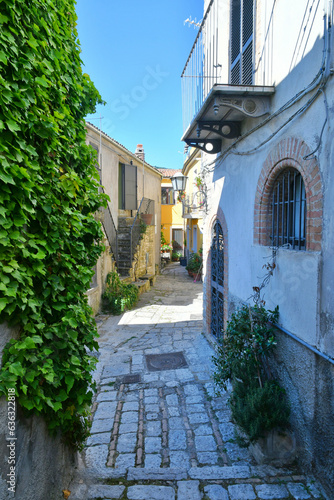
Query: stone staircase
125	261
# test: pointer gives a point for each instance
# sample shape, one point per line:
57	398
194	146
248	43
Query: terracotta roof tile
168	172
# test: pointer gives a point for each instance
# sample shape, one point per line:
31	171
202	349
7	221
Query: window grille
242	20
288	207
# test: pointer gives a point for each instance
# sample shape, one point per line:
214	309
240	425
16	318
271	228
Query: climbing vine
49	239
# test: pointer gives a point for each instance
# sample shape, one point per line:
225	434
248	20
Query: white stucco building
258	90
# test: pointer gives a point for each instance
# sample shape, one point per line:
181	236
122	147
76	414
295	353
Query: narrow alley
159	430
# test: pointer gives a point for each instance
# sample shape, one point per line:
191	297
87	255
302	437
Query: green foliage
248	338
194	263
166	247
176	256
49	239
118	296
258	404
163	239
258	409
143	227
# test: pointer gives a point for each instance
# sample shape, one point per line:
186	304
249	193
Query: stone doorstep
234	473
142	285
151	277
184	486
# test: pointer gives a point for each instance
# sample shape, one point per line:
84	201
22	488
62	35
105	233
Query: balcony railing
223	56
194	206
202	69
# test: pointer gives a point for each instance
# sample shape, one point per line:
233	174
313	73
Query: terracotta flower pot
147	218
196	276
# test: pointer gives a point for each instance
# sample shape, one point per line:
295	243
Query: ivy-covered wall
49	239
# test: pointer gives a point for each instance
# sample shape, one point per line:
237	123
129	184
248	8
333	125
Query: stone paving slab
169	436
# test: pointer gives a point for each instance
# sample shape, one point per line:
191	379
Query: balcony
194	206
214	110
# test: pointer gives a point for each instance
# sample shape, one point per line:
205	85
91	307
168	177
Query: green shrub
258	403
248	339
118	296
194	263
176	256
257	408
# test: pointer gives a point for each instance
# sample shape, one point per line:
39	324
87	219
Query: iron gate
217	280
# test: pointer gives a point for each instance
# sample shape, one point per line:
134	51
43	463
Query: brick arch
220	217
290	153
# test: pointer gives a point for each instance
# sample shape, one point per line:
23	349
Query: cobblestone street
159	431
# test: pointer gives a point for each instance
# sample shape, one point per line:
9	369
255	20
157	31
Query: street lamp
179	182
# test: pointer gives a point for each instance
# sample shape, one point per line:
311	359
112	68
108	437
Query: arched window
288	210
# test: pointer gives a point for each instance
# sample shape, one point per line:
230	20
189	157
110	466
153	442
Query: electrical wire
311	156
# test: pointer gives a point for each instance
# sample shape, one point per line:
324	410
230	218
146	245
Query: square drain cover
131	379
170	361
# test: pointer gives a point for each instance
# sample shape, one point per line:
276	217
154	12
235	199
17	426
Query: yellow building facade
172	222
193	212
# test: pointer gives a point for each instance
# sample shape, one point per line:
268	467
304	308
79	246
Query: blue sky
135	51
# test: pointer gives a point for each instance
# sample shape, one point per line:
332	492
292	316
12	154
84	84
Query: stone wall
104	265
43	464
144	260
309	382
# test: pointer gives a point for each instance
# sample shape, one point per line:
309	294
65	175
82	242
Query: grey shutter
242	21
130	187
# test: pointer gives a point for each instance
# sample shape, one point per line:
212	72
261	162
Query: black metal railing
202	69
223	53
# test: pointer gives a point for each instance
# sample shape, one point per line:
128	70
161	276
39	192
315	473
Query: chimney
140	152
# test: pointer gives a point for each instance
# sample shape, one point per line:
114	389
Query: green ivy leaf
16	369
3	303
42	81
3	57
13	126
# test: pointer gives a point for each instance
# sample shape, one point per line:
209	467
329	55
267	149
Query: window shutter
242	21
130	187
247	42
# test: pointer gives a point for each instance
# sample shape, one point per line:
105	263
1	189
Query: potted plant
194	266
181	196
199	182
147	218
258	403
176	256
166	249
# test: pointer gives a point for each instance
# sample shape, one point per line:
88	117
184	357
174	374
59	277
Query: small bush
176	256
257	402
118	296
258	409
194	263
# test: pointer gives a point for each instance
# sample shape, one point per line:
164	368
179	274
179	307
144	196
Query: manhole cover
170	361
131	379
